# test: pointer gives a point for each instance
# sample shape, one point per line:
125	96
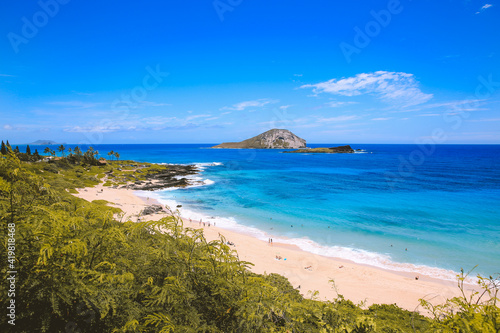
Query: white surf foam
193	180
228	223
203	166
358	256
369	258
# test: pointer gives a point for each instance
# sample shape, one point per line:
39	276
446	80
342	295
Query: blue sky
211	71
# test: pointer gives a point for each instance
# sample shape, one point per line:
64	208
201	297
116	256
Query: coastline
305	270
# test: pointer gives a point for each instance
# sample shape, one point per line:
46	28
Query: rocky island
43	143
333	150
272	139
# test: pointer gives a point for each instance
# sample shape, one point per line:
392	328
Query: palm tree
49	151
111	153
77	151
61	149
117	156
70	151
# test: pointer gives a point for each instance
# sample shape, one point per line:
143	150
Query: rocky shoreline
148	178
174	176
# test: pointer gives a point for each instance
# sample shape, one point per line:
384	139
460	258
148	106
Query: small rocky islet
283	139
324	150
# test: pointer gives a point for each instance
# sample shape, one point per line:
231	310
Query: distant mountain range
44	143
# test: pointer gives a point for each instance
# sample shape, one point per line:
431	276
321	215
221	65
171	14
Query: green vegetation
114	154
79	270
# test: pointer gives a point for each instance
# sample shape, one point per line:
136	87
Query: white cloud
338	119
76	104
382	118
149	103
90	129
158	120
459	105
7	127
392	87
284	107
335	104
454	104
484	120
486	6
248	104
198	116
137	123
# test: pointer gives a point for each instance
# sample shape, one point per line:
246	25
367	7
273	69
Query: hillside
272	139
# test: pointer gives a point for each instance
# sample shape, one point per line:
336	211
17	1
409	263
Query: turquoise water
433	210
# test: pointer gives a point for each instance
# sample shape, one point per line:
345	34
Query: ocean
427	209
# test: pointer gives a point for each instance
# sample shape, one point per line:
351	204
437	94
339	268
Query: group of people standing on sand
202	223
270	241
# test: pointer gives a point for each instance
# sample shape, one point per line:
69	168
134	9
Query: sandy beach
307	271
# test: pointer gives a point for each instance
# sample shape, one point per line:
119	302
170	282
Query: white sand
358	283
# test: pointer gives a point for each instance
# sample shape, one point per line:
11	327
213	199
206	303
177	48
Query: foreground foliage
79	270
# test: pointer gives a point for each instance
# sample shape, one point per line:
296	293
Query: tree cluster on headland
69	156
80	270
